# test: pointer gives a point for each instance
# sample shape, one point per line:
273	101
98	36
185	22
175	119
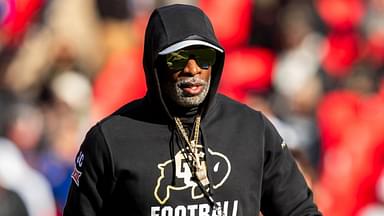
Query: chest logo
181	178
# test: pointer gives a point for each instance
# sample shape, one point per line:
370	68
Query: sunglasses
204	57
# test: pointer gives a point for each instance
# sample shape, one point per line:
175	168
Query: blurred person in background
182	148
15	173
48	44
65	106
296	77
53	64
122	25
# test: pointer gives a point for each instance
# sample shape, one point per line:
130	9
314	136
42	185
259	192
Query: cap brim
187	43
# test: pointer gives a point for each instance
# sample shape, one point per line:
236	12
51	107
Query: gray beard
176	94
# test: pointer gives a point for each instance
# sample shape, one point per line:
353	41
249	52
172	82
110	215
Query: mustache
191	81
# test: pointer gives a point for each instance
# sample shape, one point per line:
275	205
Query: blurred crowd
315	68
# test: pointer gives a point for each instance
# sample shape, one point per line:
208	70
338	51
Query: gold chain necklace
199	166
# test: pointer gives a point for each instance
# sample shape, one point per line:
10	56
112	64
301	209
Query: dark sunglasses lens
204	58
177	60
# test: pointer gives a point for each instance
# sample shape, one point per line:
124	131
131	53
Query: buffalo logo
183	177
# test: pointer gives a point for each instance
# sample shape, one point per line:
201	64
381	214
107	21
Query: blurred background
314	67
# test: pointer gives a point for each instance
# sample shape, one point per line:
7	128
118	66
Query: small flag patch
76	176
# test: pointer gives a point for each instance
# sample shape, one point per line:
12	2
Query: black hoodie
132	163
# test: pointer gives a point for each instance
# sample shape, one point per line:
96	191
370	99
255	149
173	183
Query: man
184	149
15	173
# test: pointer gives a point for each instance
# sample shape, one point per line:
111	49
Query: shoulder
130	111
140	111
227	104
98	133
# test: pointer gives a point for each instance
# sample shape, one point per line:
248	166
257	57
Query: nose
191	68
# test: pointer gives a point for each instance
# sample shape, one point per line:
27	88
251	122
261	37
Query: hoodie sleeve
92	177
285	191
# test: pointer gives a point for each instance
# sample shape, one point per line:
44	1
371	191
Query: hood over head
171	28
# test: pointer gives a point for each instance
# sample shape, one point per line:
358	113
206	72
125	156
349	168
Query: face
187	75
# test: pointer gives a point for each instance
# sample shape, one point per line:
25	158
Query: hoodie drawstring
173	156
